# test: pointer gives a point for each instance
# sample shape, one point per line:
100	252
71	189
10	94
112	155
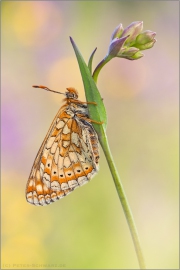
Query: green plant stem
98	113
99	67
129	217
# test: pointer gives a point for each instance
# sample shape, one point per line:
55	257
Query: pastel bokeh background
88	230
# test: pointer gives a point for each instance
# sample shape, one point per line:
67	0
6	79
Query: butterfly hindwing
67	159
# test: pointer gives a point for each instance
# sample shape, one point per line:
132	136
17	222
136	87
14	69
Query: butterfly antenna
47	89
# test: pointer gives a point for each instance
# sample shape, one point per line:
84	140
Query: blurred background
88	230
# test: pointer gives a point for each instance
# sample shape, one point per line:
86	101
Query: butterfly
69	155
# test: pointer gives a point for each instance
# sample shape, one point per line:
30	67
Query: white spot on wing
42	200
67	162
36	202
41	169
46	180
55	185
39	188
45	153
70	113
54	196
38	175
66	143
29	197
84	146
71	148
60	124
31	183
60	162
84	133
75	138
50	142
64	186
72	183
47	198
53	148
81	157
73	157
66	130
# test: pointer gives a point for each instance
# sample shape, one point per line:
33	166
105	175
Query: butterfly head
71	93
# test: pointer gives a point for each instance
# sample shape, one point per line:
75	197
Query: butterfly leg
89	120
94	121
81	102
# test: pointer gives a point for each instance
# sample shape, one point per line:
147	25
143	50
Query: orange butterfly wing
67	159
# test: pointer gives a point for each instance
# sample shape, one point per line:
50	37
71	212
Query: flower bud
135	56
133	30
129	42
146	46
129	51
145	37
117	32
115	46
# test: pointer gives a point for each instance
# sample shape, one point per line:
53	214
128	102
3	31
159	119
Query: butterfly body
68	157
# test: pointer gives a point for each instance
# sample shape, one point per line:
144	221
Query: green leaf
96	112
90	60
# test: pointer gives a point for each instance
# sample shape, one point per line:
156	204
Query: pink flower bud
117	32
133	30
115	46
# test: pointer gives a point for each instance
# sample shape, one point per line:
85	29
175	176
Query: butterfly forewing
67	159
